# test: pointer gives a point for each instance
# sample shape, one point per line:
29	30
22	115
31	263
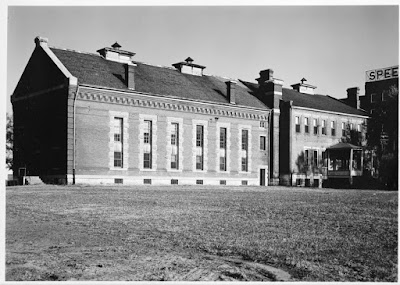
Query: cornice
181	106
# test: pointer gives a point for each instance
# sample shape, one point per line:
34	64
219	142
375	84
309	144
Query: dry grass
167	233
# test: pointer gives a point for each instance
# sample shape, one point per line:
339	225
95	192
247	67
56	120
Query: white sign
382	73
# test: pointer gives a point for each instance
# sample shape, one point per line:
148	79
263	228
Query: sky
331	46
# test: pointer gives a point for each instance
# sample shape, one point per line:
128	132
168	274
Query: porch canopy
344	160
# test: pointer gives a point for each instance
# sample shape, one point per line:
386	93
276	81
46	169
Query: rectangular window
351	126
263	140
118	181
359	128
323	130
199	182
263	124
174	181
245	141
306	129
306	157
222	138
343	129
244	182
147	144
222	150
324	159
222	182
118	143
333	129
297	122
373	98
146	181
315	158
175	146
199	147
315	125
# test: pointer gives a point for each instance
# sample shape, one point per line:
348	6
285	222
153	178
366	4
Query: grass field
200	233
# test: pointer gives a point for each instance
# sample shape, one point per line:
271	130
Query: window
306	130
359	128
306	157
373	98
222	149
222	182
244	182
263	140
324	159
174	181
263	124
315	125
118	181
372	111
351	126
199	147
118	127
146	181
315	158
333	129
343	129
297	122
323	130
147	142
245	141
199	182
175	146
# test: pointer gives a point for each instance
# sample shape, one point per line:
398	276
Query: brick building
303	125
105	118
378	83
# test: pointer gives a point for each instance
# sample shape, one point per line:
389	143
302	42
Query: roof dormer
114	53
188	67
303	87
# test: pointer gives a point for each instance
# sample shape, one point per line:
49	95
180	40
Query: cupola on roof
114	53
188	67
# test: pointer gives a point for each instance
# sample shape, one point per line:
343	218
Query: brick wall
93	147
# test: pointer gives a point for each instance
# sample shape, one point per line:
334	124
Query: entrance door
262	177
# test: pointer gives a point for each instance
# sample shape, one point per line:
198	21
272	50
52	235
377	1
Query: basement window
222	182
146	181
244	182
199	182
174	181
118	181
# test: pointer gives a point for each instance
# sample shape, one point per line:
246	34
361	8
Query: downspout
269	146
74	135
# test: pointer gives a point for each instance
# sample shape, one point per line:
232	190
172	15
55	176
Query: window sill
119	168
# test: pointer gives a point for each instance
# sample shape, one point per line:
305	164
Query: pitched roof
343	145
93	69
318	102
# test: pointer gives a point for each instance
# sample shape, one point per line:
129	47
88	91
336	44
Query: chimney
114	53
270	88
130	75
353	97
188	67
41	41
230	91
303	87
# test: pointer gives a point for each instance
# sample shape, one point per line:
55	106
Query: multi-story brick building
105	118
303	125
378	84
